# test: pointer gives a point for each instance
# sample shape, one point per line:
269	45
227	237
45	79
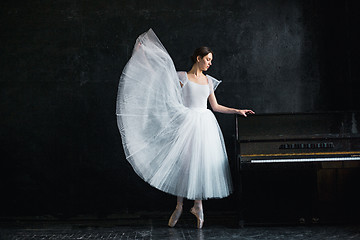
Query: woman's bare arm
222	109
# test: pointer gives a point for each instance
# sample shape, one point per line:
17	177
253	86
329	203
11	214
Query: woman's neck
196	71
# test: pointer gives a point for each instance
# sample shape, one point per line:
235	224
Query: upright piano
298	167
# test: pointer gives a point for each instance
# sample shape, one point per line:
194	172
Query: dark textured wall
60	63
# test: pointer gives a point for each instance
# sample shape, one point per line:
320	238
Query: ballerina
169	136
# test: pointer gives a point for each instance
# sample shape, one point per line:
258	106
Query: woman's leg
177	212
197	210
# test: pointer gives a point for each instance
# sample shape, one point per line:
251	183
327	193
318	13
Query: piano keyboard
305	160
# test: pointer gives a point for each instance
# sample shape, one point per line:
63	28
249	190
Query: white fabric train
169	137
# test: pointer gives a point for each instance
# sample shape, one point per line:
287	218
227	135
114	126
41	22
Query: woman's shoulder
181	72
211	78
213	82
182	76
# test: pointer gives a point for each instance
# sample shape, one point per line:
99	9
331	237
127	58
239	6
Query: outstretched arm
222	109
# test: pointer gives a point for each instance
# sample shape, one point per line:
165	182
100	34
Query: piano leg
239	195
315	198
241	220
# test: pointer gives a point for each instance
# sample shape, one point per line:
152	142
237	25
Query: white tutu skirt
176	149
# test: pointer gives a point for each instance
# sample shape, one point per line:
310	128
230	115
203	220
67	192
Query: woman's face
205	62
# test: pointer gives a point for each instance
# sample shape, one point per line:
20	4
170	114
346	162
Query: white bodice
195	95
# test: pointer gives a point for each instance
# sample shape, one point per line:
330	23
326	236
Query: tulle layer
175	149
194	165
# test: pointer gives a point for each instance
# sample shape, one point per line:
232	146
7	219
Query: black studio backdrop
61	152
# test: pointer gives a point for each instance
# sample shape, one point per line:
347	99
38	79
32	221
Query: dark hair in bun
202	52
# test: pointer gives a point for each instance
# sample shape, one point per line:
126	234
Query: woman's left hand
245	112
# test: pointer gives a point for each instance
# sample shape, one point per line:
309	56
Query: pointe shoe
199	216
175	216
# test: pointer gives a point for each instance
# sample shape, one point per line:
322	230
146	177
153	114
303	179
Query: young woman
169	136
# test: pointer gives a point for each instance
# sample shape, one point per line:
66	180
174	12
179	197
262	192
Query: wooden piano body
298	167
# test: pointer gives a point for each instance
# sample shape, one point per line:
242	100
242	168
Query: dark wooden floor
154	226
161	232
